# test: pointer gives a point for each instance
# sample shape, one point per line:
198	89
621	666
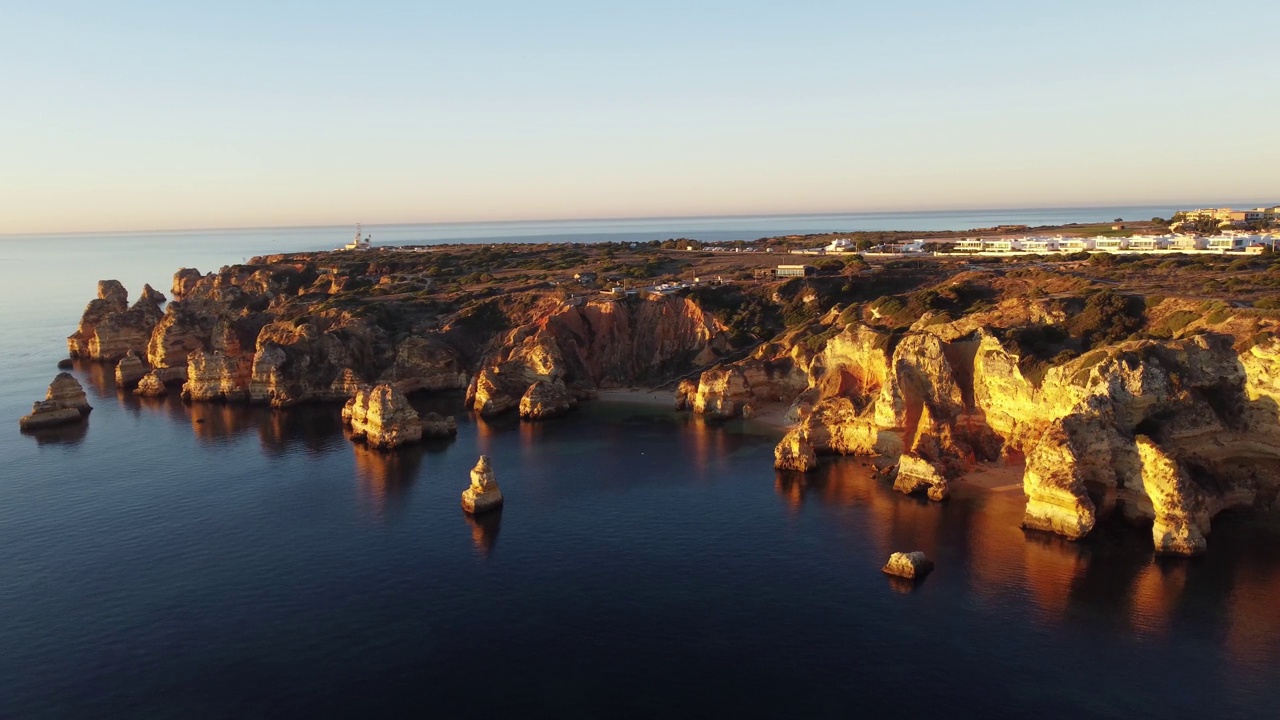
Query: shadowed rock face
594	345
426	363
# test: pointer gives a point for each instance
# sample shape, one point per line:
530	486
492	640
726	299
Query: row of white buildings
1227	242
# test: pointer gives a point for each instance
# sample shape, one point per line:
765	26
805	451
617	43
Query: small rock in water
910	565
65	364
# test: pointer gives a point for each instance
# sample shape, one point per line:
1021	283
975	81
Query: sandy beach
770	414
640	396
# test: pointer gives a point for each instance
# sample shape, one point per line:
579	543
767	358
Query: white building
1041	245
1148	242
1111	244
969	245
1004	245
1075	244
1186	242
1227	243
840	245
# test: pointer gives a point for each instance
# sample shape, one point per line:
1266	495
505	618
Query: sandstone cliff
110	329
937	407
64	403
597	344
382	417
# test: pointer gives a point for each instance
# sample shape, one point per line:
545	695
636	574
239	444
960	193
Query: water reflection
385	476
72	434
98	378
1110	581
484	530
313	427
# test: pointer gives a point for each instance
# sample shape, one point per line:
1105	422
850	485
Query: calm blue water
170	560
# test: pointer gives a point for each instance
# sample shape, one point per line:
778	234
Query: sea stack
483	495
65	403
130	370
911	565
151	386
383	417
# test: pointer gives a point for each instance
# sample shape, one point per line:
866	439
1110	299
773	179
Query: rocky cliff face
109	329
937	407
597	344
382	417
544	400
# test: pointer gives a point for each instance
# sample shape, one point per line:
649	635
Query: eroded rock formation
151	386
909	565
938	403
383	418
597	344
64	403
545	400
130	370
483	495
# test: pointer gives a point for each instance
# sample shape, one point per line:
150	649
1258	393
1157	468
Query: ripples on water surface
169	559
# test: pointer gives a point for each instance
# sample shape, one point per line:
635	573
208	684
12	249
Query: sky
142	115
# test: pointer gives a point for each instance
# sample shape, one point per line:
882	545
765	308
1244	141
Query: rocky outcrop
64	403
597	344
686	391
109	329
66	391
383	418
722	391
794	453
130	370
915	474
185	281
185	328
426	363
939	403
304	361
483	495
1180	507
544	400
439	427
151	386
909	565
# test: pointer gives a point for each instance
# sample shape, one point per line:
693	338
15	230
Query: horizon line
242	228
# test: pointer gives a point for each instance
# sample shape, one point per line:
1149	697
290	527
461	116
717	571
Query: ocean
175	560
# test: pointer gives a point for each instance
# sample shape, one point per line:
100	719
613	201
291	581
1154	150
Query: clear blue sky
138	115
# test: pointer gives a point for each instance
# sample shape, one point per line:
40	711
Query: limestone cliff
598	344
382	417
64	403
109	329
544	400
939	406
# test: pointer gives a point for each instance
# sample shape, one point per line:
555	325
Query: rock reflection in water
72	434
484	530
99	379
1110	581
216	423
385	476
311	427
